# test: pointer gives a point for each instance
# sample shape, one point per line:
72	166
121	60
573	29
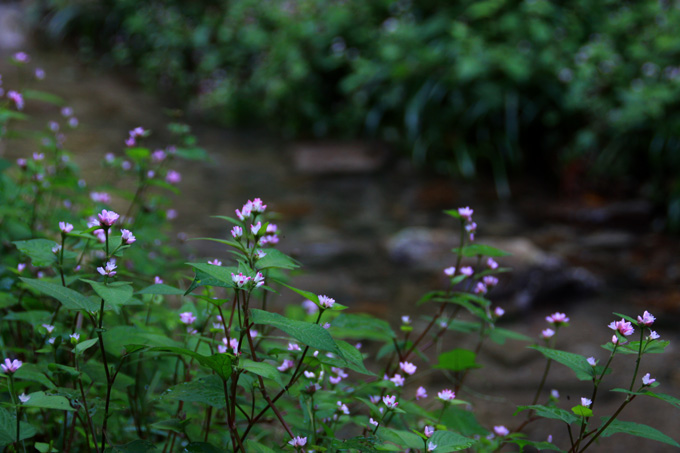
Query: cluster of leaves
498	83
209	359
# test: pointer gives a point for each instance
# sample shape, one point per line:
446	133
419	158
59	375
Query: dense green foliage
495	83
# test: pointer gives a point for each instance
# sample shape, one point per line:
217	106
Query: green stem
611	419
637	361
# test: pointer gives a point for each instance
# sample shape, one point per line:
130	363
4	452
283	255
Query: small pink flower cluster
470	226
133	135
242	280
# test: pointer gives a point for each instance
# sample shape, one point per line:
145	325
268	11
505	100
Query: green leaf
462	421
70	299
115	294
499	335
8	428
450	441
161	289
306	294
193	153
457	360
219	273
137	153
220	363
38	250
362	326
45	448
31	372
554	413
261	369
352	359
536	445
44	401
307	333
400	437
85	345
275	258
173	424
202	447
637	429
205	390
136	446
627	318
43	96
480	249
582	411
578	364
663	397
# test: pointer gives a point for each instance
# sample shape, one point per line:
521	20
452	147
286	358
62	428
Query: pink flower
467	271
647	380
623	327
215	262
73	122
49	328
592	361
298	441
498	311
501	430
157	280
421	393
557	318
128	237
450	271
586	402
429	430
66	111
373	422
11	366
21	267
375	399
547	333
100	197
130	141
17	98
158	156
255	228
653	335
310	307
446	395
240	279
398	380
326	301
257	205
480	288
237	232
65	227
466	213
21	57
335	380
407	367
293	347
431	446
390	401
173	177
646	319
109	269
258	280
261	254
287	364
75	337
21	162
187	317
271	228
406	320
490	280
342	407
24	398
107	218
491	264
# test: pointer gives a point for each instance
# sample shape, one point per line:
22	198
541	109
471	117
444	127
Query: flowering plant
103	354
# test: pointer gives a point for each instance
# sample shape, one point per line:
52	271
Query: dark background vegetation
565	91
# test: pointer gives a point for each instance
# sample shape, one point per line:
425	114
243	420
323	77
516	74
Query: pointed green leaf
173	424
219	273
85	345
41	400
480	250
31	372
220	363
262	369
637	429
38	250
136	446
362	326
450	441
582	411
554	413
115	294
8	428
205	390
400	437
276	258
578	364
162	289
306	294
457	360
667	398
70	299
307	333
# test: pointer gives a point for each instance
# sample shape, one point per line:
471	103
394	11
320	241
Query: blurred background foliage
561	89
